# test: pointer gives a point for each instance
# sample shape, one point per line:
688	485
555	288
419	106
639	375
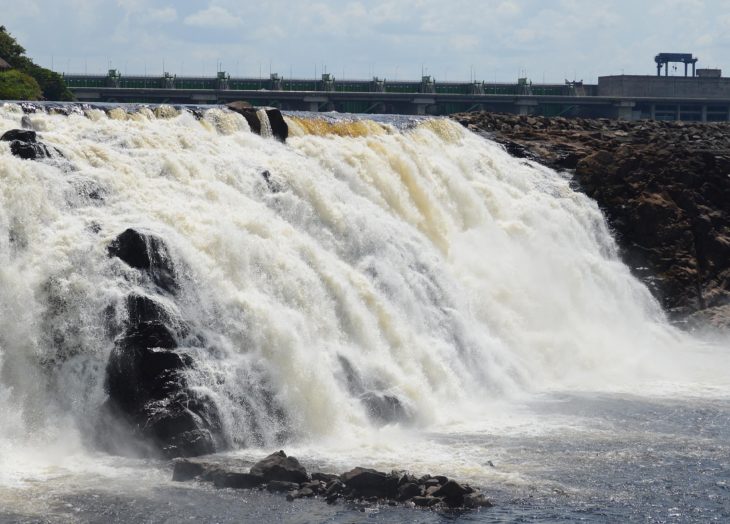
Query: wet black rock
186	470
334	488
146	252
279	127
408	491
365	482
150	400
272	184
22	135
452	492
278	466
324	477
24	144
146	385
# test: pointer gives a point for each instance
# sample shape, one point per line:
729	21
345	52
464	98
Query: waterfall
362	273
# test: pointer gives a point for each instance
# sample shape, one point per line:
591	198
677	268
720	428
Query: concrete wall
657	87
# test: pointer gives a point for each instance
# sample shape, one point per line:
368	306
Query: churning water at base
359	260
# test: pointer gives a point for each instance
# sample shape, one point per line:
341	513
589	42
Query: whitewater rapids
444	272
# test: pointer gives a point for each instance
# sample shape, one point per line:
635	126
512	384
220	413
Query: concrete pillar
704	113
525	106
625	109
420	105
685	68
678	116
653	112
314	102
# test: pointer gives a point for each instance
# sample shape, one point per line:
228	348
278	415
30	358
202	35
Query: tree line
27	80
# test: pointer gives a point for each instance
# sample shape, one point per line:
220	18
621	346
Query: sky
451	40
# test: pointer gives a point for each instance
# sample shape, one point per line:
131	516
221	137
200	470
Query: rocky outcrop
665	191
146	372
359	484
149	254
24	144
279	127
279	467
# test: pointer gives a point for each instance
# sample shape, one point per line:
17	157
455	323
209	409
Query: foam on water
425	259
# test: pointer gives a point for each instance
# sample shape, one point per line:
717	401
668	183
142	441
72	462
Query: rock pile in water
664	188
279	473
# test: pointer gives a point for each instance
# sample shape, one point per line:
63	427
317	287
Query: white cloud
163	15
509	8
213	16
464	42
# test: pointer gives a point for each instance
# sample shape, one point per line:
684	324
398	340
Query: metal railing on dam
572	99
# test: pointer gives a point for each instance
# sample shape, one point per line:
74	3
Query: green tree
51	84
15	85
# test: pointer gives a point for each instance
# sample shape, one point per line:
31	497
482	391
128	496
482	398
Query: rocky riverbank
279	473
664	188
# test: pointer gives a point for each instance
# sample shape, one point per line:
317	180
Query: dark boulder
183	426
365	482
452	492
249	113
324	477
24	144
187	470
315	485
148	253
278	466
279	127
22	135
408	491
335	487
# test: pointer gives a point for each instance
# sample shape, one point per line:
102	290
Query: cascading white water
425	263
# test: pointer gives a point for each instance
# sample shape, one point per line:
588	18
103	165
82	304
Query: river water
479	290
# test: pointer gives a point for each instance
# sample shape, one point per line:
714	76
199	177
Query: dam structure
702	97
